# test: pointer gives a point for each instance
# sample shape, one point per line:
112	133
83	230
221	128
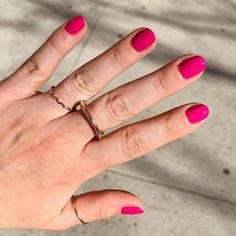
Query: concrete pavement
188	186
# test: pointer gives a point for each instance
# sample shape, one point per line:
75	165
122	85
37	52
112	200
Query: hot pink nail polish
75	25
197	113
192	66
131	210
143	39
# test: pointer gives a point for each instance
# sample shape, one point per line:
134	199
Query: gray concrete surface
189	186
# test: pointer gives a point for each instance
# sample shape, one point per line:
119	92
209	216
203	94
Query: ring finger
128	100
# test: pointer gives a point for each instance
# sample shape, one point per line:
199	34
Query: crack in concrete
187	191
93	27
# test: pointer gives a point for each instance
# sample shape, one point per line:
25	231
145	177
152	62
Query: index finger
40	66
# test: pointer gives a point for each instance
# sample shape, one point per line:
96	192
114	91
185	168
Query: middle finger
130	99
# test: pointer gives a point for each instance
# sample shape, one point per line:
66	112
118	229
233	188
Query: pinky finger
97	205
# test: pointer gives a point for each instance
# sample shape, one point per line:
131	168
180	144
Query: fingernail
131	210
197	113
75	25
143	39
192	66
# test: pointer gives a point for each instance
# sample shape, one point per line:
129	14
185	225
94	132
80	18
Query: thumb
97	205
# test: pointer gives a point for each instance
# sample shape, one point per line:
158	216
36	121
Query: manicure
75	25
143	39
197	113
192	66
131	210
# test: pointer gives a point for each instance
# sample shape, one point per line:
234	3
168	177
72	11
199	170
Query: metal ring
84	108
76	212
51	91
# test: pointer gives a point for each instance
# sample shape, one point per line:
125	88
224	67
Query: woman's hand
47	151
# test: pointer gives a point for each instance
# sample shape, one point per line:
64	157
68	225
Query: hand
47	151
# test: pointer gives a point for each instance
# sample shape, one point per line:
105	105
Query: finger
98	205
130	99
39	67
134	140
89	79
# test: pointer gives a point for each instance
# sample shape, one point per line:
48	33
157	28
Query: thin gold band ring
51	91
84	108
76	212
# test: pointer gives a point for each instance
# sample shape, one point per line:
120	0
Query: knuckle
117	108
32	68
54	46
16	129
118	58
18	125
45	145
132	144
169	129
158	83
100	213
82	84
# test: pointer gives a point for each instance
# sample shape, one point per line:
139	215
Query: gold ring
84	108
76	212
51	91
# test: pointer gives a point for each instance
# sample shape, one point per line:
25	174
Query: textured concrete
169	212
188	186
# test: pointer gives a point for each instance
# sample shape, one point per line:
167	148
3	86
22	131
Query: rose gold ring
97	131
76	212
51	91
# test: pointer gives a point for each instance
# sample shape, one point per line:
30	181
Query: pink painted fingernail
143	39
75	25
131	210
192	66
197	113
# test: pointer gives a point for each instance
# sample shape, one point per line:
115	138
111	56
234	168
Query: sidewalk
188	186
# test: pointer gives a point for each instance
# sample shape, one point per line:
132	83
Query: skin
47	152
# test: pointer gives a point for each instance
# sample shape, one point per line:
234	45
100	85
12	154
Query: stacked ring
98	132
